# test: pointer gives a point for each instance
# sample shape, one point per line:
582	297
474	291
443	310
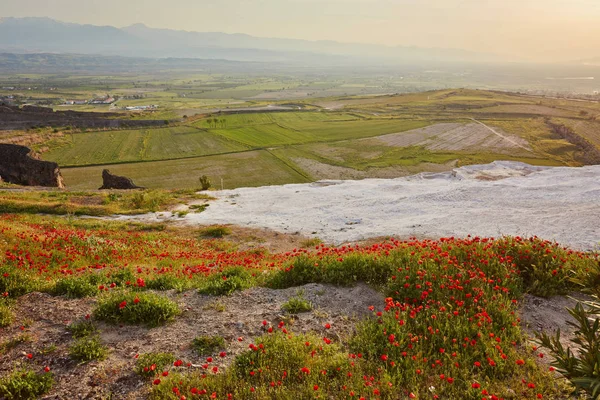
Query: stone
110	181
20	166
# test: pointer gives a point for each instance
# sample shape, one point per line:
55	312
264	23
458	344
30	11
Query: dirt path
501	135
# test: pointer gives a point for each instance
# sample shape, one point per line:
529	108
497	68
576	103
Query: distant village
18	100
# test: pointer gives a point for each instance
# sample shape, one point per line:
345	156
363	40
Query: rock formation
110	181
19	165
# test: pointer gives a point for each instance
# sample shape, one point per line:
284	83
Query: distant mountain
44	35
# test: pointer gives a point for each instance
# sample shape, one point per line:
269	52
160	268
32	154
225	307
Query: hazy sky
534	29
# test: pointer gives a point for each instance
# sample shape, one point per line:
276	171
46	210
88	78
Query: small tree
204	182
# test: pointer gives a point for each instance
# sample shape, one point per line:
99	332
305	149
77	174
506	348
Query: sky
541	30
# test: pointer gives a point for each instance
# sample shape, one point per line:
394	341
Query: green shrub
135	308
25	385
215	232
88	348
205	345
149	364
583	369
6	315
75	288
82	329
297	305
227	282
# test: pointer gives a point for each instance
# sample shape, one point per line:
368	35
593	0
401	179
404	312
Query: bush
297	305
82	329
88	348
75	288
25	385
227	282
215	232
149	364
205	345
136	308
583	370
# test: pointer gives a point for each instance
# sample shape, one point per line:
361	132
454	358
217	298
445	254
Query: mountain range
45	35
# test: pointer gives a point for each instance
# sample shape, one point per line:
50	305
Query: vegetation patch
227	282
205	345
150	364
23	384
88	348
297	305
215	232
136	308
82	329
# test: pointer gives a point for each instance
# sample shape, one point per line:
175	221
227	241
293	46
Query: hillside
336	138
98	308
44	35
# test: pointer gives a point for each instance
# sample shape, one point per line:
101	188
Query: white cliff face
501	198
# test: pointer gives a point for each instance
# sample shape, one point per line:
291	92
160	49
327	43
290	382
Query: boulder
19	165
110	181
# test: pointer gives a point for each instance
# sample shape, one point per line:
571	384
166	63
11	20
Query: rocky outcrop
110	181
19	165
588	153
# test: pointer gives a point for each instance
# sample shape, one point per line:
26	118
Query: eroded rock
110	181
19	165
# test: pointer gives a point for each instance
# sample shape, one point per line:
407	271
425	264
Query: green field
333	138
252	168
107	147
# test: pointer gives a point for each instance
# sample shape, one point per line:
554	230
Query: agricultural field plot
263	135
107	147
458	137
359	128
275	129
251	168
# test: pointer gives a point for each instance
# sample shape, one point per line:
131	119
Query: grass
215	232
88	348
136	308
206	345
97	203
6	315
14	342
297	305
25	384
227	282
82	329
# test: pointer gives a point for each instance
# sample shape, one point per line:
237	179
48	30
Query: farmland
106	147
349	137
250	168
